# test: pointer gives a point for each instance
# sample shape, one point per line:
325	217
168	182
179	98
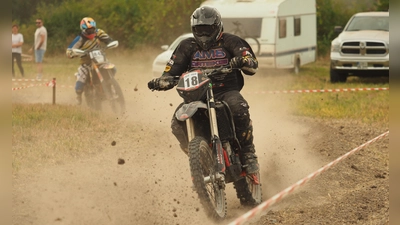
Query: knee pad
245	136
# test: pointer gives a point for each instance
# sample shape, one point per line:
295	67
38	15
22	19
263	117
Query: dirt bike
213	147
108	89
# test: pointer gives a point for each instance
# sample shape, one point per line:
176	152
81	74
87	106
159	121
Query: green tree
382	5
22	10
153	22
132	22
325	16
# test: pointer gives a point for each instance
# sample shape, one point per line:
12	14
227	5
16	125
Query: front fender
107	66
188	110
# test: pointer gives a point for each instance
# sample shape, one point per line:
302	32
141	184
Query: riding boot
79	90
247	153
78	97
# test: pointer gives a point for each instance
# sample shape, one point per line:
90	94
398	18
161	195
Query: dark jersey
188	55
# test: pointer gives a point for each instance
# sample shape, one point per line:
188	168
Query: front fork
219	175
216	142
101	78
96	68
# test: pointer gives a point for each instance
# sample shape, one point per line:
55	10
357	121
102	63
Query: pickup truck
361	48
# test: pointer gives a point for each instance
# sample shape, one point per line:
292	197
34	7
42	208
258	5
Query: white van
282	33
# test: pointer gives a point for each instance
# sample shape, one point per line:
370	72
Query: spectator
17	40
40	46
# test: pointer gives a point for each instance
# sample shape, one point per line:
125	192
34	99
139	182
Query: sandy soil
153	185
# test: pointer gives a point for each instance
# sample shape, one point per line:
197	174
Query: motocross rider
89	38
210	48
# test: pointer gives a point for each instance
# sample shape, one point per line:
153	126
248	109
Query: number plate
95	54
362	65
191	80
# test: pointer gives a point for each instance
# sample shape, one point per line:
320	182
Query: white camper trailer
282	33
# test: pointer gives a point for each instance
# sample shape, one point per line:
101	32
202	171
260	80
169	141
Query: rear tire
248	191
202	164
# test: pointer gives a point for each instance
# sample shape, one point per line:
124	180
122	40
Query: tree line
152	22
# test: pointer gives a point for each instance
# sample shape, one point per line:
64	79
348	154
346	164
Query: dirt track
153	186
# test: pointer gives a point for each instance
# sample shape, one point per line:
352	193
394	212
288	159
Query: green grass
371	107
368	107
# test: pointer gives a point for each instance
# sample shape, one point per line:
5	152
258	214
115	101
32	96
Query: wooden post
54	91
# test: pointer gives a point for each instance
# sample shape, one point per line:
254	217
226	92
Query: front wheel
114	95
337	77
92	98
209	188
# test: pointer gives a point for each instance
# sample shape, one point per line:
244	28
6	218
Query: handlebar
214	71
79	52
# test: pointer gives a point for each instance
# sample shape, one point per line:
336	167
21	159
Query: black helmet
206	26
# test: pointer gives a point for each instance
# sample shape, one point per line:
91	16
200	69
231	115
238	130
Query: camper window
297	26
282	28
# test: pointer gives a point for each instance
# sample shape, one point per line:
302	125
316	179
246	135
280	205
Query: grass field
365	106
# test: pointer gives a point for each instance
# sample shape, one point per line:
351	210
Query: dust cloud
153	186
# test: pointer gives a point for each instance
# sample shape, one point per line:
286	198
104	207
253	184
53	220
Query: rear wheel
248	190
210	190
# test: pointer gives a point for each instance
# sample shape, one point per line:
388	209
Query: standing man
40	46
16	42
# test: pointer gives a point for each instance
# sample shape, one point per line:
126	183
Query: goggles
204	30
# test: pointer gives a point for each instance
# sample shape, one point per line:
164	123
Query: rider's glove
70	53
237	62
161	84
153	84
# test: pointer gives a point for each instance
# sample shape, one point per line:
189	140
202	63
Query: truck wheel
296	69
337	76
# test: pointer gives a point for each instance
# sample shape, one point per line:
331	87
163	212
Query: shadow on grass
368	80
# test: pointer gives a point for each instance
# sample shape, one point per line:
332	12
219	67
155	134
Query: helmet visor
204	30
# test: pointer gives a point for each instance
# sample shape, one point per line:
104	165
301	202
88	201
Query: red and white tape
318	91
37	80
48	84
278	197
31	85
51	83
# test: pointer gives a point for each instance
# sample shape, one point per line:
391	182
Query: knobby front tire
202	164
115	96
